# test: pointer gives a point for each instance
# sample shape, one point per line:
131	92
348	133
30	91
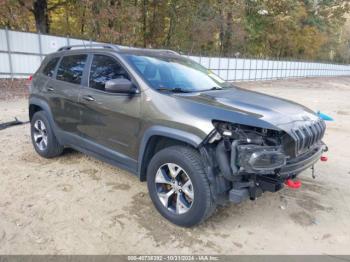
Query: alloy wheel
40	135
174	188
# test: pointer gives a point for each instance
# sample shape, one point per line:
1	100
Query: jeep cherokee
197	140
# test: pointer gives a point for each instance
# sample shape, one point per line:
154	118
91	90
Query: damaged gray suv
198	141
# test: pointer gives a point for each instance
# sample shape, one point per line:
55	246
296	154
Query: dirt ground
75	204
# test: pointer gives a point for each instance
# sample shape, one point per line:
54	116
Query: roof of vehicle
119	49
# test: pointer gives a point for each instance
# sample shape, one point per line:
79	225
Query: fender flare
45	106
168	132
41	103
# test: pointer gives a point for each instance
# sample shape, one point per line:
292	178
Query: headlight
264	159
267	160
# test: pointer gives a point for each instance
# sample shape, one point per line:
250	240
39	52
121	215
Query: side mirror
120	85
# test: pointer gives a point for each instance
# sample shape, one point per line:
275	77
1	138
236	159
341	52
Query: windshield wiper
218	88
174	90
213	88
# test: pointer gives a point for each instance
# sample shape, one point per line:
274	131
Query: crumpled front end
251	160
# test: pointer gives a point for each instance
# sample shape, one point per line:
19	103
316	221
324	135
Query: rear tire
177	172
43	138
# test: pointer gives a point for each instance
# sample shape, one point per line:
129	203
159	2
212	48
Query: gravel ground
75	204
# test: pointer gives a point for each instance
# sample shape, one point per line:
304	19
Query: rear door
110	120
64	92
45	74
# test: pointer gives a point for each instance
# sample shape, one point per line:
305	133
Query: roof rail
69	47
169	51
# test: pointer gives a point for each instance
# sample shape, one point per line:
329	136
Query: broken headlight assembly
245	149
260	159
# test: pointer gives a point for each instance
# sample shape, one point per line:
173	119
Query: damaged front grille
308	135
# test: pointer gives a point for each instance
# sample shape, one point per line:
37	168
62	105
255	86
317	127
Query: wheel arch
33	108
159	137
37	104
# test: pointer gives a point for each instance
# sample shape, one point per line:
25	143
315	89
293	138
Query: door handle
88	98
50	89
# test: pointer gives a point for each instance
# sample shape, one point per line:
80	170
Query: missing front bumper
255	188
299	164
257	183
275	161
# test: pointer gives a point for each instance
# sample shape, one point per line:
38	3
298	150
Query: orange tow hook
324	158
293	184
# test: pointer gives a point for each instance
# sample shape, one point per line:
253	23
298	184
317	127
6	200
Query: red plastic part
30	78
324	158
293	184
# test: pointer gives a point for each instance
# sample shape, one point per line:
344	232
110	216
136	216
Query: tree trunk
172	23
144	22
222	31
82	27
111	19
227	45
41	16
96	28
153	26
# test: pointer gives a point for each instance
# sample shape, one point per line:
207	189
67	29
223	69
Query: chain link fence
21	54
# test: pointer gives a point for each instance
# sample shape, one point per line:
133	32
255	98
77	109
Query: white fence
21	54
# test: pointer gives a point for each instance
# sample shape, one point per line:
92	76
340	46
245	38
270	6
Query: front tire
43	138
179	187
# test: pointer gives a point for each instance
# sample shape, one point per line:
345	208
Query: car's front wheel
179	187
43	137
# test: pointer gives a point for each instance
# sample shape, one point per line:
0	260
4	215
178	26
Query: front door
111	121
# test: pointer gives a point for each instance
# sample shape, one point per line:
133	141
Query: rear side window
49	69
104	68
71	68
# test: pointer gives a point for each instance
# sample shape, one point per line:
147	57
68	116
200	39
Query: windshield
175	74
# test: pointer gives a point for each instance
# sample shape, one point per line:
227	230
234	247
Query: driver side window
104	68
